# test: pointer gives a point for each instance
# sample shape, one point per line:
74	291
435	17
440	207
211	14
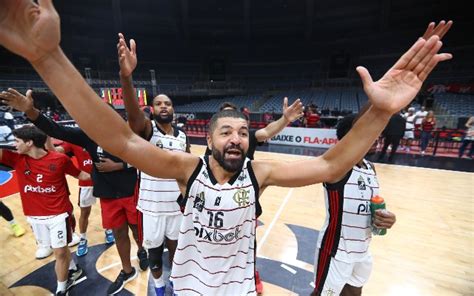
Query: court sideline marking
275	218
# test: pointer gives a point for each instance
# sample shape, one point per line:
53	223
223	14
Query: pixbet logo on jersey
87	162
39	189
217	236
363	208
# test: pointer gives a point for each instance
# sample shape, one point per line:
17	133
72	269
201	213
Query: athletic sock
159	282
61	286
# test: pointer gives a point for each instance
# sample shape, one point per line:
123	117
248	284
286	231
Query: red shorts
116	211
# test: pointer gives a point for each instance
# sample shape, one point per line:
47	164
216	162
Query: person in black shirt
114	183
392	134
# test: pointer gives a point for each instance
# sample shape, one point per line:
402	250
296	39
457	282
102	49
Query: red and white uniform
160	214
342	254
215	253
86	197
42	182
44	194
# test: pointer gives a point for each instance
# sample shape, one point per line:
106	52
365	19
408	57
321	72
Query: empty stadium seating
455	104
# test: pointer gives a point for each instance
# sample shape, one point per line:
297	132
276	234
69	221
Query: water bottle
377	202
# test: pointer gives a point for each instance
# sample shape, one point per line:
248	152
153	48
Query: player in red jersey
45	197
86	198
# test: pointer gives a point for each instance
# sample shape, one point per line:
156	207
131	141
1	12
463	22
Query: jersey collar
211	175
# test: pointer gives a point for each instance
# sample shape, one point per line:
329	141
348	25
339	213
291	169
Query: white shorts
154	229
335	275
409	135
51	231
86	198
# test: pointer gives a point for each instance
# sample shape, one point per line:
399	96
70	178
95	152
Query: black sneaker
121	280
142	259
74	276
62	293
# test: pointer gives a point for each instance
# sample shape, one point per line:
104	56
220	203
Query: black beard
230	165
164	119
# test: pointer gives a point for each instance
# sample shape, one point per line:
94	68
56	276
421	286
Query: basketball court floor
429	251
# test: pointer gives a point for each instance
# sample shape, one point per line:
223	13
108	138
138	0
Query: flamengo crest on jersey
215	253
158	196
355	220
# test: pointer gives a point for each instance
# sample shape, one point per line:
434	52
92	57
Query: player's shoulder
261	168
56	156
370	165
179	131
9	153
67	144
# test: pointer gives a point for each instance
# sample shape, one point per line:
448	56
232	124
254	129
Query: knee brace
155	258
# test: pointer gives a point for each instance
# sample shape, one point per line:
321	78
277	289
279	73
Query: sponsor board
307	137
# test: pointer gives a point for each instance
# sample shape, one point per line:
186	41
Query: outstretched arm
332	165
387	96
32	31
50	127
290	114
128	62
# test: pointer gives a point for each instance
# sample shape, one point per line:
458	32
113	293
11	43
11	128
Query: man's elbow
332	177
334	173
262	135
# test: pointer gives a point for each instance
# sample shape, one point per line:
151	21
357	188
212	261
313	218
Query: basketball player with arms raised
214	254
290	114
159	212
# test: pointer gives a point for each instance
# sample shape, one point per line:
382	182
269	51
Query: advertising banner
307	137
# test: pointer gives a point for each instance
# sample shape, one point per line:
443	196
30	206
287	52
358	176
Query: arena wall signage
189	116
308	137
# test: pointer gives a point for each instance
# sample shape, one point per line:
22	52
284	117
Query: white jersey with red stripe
215	253
346	233
158	196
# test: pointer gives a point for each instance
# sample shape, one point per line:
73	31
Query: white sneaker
75	240
43	252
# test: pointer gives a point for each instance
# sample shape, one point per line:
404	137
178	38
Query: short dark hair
344	125
163	95
222	114
226	105
31	133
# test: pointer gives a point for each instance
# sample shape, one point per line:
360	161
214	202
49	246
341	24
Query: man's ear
209	141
